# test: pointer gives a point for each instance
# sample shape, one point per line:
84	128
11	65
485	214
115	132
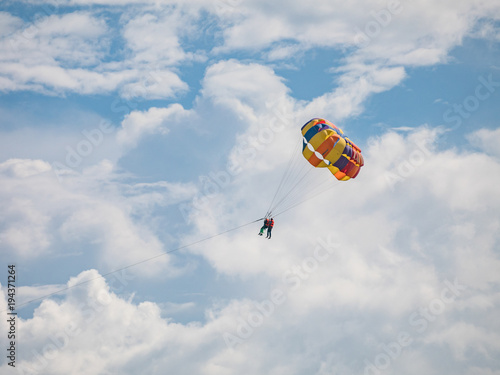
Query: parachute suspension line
304	192
305	197
304	186
290	169
295	183
301	192
286	175
308	187
134	264
305	200
293	190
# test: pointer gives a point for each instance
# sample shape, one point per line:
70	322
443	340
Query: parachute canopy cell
326	146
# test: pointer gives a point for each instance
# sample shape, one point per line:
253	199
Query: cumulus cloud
386	36
236	85
487	140
400	32
9	23
66	38
24	168
43	214
154	38
398	268
52	52
357	83
91	323
70	53
408	273
154	120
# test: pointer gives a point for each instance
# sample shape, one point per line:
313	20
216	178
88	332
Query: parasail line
286	174
134	264
305	200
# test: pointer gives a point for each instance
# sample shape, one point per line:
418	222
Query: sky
142	142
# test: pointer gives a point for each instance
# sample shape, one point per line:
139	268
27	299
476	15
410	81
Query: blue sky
131	129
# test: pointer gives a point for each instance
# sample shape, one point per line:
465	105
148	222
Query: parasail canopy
324	145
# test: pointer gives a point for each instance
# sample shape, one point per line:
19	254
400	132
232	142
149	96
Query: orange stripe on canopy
314	160
327	145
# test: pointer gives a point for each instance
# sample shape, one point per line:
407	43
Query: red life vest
271	223
266	222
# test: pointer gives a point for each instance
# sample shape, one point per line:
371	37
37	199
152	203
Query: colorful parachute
326	146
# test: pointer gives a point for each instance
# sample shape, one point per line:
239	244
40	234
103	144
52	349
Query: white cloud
242	86
487	140
75	24
69	39
154	120
153	37
416	217
50	53
400	169
119	335
464	338
385	36
8	24
24	168
258	31
25	229
69	52
44	215
400	246
358	82
154	84
400	32
260	24
38	293
394	257
486	30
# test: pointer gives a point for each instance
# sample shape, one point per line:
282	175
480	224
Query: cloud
465	339
238	85
64	53
487	140
420	234
25	229
32	293
44	214
154	37
9	23
153	84
120	335
68	39
50	53
24	168
381	31
389	36
419	218
400	169
379	41
154	120
355	85
280	22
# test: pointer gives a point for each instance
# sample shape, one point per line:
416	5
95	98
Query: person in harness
270	226
266	224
